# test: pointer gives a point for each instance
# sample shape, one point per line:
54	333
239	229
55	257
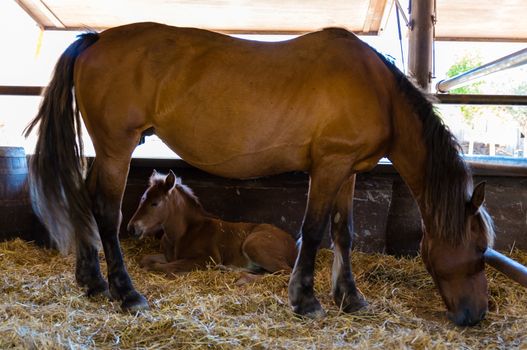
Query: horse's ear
478	197
170	181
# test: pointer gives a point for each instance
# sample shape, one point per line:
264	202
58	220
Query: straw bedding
42	308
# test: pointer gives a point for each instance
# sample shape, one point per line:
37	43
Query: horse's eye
154	204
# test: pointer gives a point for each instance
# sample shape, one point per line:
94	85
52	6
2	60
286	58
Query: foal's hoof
134	302
247	278
312	310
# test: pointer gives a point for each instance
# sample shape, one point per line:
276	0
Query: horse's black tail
58	193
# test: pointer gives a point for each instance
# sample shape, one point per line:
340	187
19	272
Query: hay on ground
42	308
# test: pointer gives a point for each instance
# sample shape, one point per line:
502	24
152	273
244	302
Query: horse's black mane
447	177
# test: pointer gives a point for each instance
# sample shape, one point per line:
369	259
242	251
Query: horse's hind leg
106	183
325	182
87	268
344	291
88	271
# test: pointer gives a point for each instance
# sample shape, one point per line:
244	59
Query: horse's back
233	107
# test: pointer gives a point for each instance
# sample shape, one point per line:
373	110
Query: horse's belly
249	164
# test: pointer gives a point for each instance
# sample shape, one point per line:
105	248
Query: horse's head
153	208
458	268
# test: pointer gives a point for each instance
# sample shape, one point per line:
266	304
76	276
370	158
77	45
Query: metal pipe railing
510	61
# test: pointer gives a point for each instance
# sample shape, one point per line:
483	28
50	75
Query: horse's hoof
351	304
94	288
134	302
100	290
312	310
348	298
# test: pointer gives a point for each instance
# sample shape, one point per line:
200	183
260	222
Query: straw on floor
42	308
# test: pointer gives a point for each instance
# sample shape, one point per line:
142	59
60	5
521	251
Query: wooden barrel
16	216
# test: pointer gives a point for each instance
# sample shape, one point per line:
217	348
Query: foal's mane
186	192
189	194
448	180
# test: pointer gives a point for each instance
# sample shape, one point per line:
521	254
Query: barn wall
279	199
385	215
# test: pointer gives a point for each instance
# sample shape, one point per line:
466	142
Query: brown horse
325	103
193	238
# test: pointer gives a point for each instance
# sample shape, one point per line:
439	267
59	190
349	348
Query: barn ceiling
456	19
482	20
247	16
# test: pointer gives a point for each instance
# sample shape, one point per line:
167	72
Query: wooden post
420	42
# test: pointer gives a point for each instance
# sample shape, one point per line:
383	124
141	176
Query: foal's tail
58	193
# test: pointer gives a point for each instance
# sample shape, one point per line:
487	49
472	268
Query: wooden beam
374	15
473	99
21	90
41	14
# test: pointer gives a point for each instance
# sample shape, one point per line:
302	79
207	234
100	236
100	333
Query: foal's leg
270	248
149	260
106	184
344	291
324	184
179	266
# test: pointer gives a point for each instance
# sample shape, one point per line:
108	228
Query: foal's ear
170	181
153	177
478	197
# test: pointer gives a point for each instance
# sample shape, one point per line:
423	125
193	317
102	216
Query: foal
193	238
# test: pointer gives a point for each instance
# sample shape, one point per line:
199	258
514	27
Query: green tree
514	86
463	65
517	113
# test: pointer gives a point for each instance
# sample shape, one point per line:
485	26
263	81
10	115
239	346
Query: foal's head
458	267
165	199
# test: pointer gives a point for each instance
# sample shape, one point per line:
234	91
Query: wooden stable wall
385	215
386	218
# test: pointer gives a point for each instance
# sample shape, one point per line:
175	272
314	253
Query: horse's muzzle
135	229
467	317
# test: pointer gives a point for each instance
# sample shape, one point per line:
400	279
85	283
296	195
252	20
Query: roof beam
41	14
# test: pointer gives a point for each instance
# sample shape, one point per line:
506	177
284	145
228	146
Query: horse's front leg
324	184
345	293
106	185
